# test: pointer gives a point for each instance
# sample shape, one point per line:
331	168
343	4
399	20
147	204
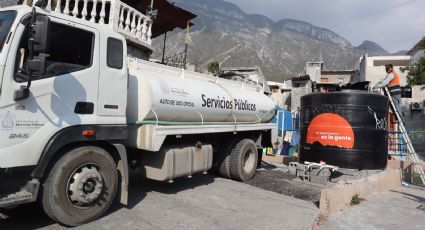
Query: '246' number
19	136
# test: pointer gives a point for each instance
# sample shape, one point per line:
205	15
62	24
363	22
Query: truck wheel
243	160
224	162
223	169
80	187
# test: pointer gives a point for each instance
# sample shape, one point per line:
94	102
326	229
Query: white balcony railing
121	17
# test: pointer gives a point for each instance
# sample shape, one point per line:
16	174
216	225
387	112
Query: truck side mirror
38	42
40	33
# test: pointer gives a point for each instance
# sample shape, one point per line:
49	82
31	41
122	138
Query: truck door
112	102
66	95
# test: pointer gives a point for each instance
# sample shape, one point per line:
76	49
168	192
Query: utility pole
163	48
186	45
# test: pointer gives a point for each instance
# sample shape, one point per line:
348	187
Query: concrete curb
338	197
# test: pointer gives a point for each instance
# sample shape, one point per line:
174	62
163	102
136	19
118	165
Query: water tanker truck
80	106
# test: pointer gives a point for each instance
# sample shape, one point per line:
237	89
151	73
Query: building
300	86
340	77
280	94
319	75
314	70
372	69
316	79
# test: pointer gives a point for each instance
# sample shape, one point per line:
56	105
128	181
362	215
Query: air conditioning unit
415	106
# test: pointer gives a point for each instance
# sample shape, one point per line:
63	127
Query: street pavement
402	208
203	202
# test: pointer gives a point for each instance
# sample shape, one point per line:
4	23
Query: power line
371	14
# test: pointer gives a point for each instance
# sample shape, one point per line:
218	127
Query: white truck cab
63	95
76	113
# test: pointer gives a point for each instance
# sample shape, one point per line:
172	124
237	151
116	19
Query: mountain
401	52
371	48
225	33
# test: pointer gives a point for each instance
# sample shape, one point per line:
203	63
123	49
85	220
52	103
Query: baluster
25	2
144	29
149	35
127	21
58	6
66	9
75	10
84	12
133	23
34	2
103	12
121	22
49	5
93	12
139	28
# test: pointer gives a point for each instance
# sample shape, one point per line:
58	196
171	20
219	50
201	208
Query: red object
330	129
89	133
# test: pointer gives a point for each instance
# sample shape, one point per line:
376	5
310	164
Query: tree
214	67
416	72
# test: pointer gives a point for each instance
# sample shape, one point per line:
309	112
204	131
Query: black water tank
347	129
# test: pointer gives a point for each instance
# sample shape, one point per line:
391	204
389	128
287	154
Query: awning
169	16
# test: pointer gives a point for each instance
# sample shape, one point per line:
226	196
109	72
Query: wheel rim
248	161
85	186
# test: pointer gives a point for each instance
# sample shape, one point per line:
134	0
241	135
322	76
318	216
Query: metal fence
396	144
178	60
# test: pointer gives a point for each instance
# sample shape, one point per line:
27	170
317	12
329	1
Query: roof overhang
169	15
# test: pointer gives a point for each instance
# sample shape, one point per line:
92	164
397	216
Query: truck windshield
6	21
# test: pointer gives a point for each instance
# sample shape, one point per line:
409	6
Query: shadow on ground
32	216
418	199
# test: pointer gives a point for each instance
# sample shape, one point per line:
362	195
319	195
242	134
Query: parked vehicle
76	112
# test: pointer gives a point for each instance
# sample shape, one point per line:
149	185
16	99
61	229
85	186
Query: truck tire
224	159
243	160
224	162
224	170
80	187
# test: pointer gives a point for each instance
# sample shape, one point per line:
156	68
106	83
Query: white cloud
398	28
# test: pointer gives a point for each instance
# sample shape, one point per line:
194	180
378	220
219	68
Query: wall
314	70
337	78
297	93
362	69
282	99
6	3
375	73
415	120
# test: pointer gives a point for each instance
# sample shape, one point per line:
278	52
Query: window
406	92
6	21
70	50
115	53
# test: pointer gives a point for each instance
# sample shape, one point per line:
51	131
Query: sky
393	24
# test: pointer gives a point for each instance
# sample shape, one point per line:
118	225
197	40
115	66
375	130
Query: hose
172	123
